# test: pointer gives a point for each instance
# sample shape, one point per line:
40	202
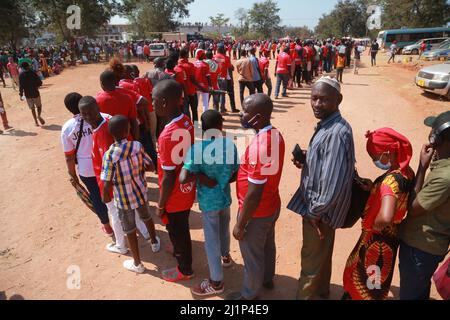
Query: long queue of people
133	125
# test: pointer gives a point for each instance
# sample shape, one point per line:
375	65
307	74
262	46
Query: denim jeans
94	193
416	269
281	78
259	254
216	226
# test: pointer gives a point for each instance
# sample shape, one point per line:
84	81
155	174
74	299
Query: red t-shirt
128	87
145	88
284	60
189	69
224	64
101	141
262	163
202	72
181	129
116	102
146	50
263	65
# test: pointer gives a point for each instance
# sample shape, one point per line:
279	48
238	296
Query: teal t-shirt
217	159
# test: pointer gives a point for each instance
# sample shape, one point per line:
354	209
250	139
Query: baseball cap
438	123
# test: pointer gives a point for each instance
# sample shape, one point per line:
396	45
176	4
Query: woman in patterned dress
370	267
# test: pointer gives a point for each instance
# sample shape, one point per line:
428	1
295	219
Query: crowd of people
145	123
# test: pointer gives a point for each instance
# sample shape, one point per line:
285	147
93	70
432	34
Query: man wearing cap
425	233
323	198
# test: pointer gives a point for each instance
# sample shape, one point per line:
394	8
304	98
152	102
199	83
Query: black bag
80	134
357	203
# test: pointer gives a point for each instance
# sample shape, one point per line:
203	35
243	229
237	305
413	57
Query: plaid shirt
124	164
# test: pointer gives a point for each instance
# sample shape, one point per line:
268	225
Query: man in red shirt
191	85
282	71
203	77
114	101
225	79
214	77
264	63
146	52
258	195
175	199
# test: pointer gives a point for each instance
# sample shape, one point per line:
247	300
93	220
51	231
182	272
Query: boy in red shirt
191	85
175	199
258	194
203	77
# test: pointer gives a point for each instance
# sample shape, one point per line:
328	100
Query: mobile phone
299	154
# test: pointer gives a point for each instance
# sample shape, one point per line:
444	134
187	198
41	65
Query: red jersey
201	73
263	65
181	129
224	64
189	69
146	50
262	163
115	103
101	141
145	88
128	87
284	61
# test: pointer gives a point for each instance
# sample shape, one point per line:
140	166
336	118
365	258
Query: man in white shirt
140	52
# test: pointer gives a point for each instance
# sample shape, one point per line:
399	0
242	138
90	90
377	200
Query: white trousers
203	98
116	225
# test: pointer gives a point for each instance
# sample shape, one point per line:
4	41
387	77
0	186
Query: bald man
259	198
175	199
323	198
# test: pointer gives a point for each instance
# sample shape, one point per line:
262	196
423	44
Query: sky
292	12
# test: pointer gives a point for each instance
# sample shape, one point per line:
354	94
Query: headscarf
388	140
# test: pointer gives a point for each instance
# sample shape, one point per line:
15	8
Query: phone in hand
298	154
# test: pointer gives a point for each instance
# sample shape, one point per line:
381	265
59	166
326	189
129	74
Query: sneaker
112	247
155	246
205	288
227	261
107	229
129	265
175	275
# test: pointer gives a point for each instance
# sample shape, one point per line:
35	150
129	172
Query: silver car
435	79
415	48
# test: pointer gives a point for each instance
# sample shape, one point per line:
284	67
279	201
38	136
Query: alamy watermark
74	20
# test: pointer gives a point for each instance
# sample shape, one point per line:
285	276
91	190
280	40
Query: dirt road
44	228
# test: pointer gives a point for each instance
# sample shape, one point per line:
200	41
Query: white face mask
382	166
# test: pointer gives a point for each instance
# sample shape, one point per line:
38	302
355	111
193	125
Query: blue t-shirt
255	67
217	159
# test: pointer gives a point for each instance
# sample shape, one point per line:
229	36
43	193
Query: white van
158	50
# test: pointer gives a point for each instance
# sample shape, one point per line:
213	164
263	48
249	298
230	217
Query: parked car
158	50
435	78
415	48
440	53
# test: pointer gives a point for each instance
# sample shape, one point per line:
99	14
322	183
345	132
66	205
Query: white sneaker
112	247
129	265
155	246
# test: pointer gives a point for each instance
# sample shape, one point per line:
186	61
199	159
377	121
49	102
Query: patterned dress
370	266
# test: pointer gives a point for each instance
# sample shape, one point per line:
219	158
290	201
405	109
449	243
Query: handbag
358	202
441	279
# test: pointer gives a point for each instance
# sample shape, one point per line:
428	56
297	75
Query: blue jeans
94	193
216	226
281	78
416	269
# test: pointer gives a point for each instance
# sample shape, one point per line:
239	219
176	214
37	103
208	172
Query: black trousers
145	139
178	228
258	86
94	193
242	85
191	101
298	74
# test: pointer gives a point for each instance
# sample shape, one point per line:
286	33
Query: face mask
381	166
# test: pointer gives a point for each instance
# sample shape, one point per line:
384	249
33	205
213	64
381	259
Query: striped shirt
124	164
327	176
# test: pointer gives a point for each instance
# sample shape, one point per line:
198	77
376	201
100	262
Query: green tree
348	18
14	20
415	13
94	15
264	18
299	32
218	21
155	16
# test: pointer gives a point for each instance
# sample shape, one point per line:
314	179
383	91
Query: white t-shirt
69	135
139	50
